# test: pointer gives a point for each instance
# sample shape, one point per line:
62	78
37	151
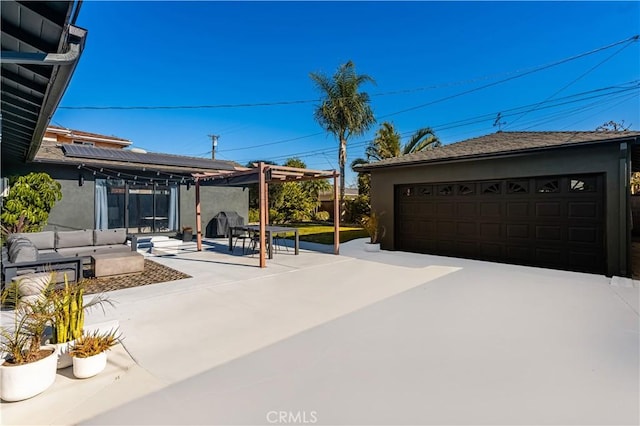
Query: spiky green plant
94	343
371	224
21	343
69	309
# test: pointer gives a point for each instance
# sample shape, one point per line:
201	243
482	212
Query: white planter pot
84	368
64	358
18	382
371	246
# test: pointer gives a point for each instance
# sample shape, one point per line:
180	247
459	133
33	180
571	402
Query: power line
307	101
572	82
622	88
466	92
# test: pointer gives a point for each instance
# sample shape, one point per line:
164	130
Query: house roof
81	135
121	159
40	50
501	143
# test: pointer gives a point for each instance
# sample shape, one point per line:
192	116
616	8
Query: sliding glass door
139	208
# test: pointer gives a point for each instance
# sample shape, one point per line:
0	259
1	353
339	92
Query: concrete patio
360	338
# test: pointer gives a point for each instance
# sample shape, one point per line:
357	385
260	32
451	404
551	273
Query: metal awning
40	50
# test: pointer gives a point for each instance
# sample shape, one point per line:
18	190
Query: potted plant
89	353
371	224
68	317
187	233
27	366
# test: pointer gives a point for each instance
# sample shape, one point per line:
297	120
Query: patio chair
279	241
244	236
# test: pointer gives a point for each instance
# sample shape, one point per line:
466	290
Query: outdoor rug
153	273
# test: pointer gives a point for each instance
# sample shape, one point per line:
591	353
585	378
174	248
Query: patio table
270	230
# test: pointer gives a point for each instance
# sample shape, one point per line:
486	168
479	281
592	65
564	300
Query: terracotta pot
84	368
18	382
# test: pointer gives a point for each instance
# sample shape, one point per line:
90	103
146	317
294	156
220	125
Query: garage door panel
491	251
548	256
446	247
548	209
490	209
519	254
466	248
446	228
517	230
584	235
426	208
579	210
491	231
584	260
556	221
445	209
468	209
517	209
549	233
466	229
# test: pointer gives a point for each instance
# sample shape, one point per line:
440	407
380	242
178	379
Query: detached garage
549	199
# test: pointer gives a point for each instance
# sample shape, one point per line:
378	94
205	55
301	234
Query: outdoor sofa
64	252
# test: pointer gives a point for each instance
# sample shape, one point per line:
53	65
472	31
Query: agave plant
94	343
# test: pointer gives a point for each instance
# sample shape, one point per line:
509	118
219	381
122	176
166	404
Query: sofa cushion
104	237
74	238
22	250
42	240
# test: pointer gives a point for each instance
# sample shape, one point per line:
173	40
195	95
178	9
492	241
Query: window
582	184
466	189
84	143
445	189
491	188
547	186
425	190
138	207
518	187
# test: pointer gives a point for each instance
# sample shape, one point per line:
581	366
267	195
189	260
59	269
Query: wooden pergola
263	174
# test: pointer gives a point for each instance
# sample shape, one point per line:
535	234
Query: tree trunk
342	159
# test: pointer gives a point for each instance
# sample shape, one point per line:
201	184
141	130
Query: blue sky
424	57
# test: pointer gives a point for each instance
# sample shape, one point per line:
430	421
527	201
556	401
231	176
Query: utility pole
214	145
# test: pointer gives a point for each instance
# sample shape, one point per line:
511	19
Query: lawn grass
323	233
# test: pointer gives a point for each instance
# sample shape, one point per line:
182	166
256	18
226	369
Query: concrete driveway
371	338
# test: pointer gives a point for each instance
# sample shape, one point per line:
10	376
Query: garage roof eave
634	139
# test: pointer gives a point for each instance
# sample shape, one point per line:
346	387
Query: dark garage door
552	221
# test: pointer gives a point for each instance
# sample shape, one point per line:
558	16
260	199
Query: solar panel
149	158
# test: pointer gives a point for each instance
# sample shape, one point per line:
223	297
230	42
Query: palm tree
387	143
345	110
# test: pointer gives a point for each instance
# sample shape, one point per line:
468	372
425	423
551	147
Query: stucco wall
601	159
213	200
76	210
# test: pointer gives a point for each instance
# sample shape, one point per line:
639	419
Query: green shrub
254	215
321	216
29	202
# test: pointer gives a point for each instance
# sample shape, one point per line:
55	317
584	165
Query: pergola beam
262	174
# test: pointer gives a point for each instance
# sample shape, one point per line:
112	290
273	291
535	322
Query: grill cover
223	220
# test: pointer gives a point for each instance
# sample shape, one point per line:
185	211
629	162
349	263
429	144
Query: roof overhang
366	168
40	51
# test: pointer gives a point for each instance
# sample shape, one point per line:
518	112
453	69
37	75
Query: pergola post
336	214
263	214
198	216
